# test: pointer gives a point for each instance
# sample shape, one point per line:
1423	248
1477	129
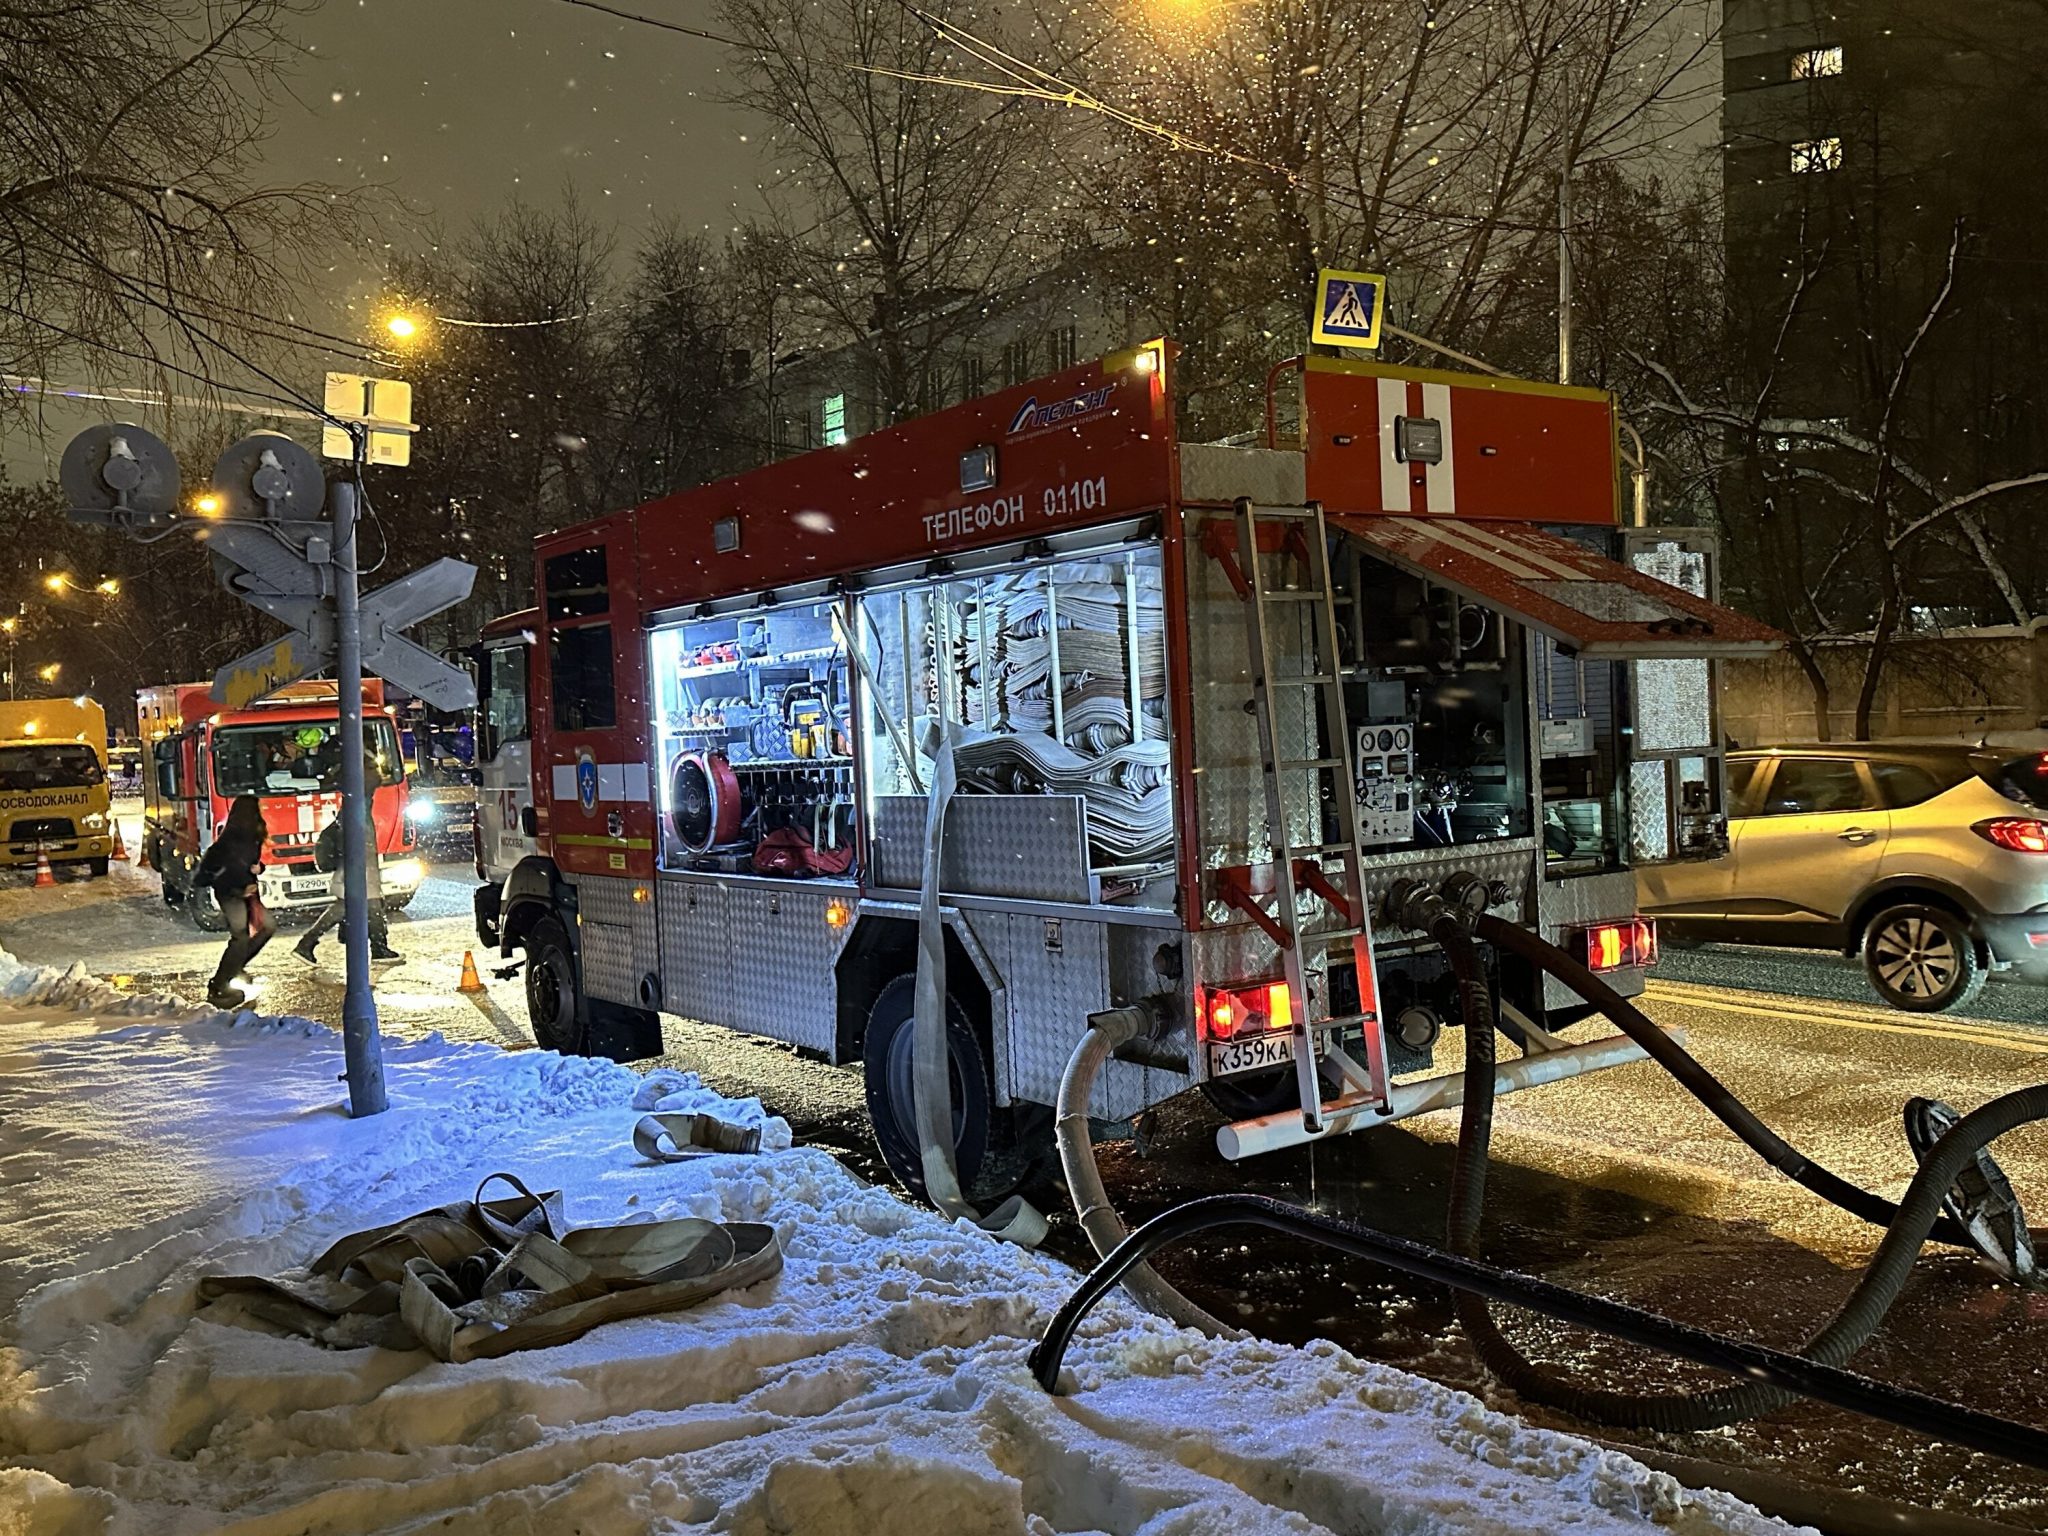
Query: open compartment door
1677	789
1601	609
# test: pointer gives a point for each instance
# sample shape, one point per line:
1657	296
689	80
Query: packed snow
878	1385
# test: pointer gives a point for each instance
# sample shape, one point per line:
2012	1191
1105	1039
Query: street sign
1349	308
398	605
383	407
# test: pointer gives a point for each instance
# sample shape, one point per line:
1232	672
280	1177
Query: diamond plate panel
696	953
783	952
616	937
1051	991
1032	847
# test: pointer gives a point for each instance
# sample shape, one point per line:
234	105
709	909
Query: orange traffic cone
120	853
471	982
142	860
45	876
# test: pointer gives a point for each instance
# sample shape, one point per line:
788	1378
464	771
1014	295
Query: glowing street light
49	674
404	327
208	505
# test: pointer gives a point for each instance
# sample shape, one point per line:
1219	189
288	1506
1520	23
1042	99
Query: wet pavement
1617	1184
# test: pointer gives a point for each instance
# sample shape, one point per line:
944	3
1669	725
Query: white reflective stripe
1393	473
564	781
611	781
1455	537
1544	565
636	781
1440	487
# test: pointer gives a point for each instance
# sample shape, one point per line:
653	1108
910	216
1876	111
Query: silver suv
1931	861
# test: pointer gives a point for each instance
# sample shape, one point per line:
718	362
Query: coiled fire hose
1777	1377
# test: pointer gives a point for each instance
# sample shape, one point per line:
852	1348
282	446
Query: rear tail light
2020	834
1617	946
1247	1010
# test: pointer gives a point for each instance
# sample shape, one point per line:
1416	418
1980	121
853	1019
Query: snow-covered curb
878	1386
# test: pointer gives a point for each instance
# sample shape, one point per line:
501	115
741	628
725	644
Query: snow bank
878	1386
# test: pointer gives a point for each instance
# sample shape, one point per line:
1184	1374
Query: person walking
327	854
230	868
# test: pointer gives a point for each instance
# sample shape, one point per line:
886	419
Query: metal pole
358	1005
1564	277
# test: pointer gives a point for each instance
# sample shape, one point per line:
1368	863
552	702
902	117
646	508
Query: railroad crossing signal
273	546
381	407
398	605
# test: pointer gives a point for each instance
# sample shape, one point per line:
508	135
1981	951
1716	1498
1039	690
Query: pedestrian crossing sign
1349	308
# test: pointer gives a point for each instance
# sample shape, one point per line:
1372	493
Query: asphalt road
1616	1183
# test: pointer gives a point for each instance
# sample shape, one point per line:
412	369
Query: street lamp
11	628
49	674
64	581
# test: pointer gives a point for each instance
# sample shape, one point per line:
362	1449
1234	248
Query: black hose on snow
1908	1224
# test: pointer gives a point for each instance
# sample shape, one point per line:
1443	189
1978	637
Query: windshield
296	757
57	765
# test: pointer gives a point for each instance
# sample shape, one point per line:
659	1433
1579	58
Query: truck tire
986	1152
98	867
552	1001
1923	959
204	911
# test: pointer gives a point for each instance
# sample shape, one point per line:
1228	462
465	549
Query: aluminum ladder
1294	797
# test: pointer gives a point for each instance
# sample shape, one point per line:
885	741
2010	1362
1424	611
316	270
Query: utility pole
1564	276
360	1045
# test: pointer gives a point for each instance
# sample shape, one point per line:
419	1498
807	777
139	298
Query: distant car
1929	861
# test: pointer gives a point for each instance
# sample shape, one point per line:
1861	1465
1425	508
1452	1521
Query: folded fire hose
480	1278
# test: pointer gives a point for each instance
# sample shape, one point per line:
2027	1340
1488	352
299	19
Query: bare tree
1836	529
135	230
1424	140
902	200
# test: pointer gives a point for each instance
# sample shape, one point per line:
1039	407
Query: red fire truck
287	751
1208	707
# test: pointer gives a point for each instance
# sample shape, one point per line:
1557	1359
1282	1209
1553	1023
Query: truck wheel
203	908
551	1001
986	1154
1923	959
99	868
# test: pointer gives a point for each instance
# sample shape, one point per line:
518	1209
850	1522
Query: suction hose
1105	1229
1696	1079
1908	1224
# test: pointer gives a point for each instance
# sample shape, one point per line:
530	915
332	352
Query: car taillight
1247	1010
2021	834
1616	946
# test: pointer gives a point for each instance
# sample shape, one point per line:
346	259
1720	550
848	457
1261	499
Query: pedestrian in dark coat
230	868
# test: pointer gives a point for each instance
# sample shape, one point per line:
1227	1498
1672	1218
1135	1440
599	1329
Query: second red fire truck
1207	706
287	752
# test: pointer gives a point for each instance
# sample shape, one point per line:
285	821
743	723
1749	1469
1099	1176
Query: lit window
1813	155
1817	63
835	420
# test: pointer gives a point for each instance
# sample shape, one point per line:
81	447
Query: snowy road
1616	1183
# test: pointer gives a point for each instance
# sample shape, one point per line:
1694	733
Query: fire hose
1775	1377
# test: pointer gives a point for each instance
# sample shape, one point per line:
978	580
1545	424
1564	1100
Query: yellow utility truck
53	782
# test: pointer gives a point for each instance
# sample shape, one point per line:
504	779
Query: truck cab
287	752
54	797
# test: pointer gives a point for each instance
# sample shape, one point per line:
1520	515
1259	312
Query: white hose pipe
1098	1218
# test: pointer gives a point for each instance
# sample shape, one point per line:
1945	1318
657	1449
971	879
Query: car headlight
424	812
406	872
95	822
